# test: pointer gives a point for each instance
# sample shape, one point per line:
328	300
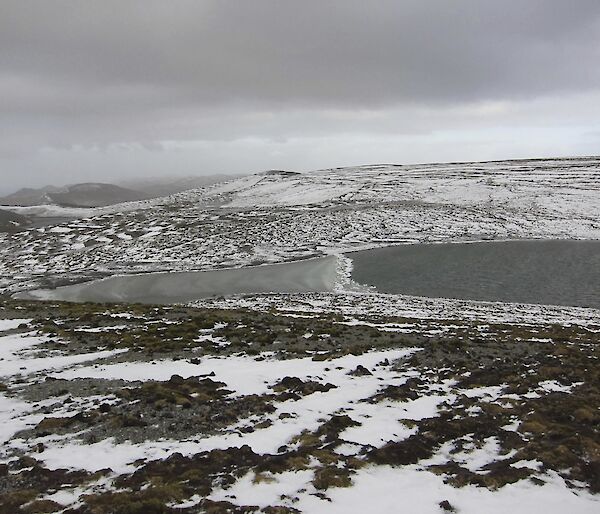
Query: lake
541	272
553	272
311	275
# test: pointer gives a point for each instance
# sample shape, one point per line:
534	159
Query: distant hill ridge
95	195
92	194
99	194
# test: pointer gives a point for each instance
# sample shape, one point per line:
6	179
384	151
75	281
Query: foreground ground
141	409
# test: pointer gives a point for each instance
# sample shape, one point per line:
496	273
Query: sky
111	89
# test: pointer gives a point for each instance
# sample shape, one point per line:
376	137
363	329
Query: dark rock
409	451
360	371
446	506
176	380
104	408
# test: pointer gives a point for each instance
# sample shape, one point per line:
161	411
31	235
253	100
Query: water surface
555	272
311	275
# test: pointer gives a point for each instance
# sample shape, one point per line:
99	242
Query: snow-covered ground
329	436
377	304
384	489
22	359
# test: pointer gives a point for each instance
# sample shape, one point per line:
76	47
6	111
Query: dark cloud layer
108	72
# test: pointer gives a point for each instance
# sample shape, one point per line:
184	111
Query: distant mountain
78	195
29	196
95	195
11	222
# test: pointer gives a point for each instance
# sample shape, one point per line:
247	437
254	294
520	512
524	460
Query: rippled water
557	272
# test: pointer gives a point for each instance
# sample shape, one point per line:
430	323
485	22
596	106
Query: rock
446	506
104	408
176	380
360	371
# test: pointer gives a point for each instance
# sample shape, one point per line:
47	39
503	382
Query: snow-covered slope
559	185
279	217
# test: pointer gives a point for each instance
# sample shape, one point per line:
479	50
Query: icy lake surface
311	275
552	272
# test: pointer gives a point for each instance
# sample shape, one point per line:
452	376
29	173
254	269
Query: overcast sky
108	89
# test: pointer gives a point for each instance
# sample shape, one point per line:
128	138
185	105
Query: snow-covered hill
279	217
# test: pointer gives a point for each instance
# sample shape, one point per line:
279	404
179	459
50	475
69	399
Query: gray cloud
136	74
